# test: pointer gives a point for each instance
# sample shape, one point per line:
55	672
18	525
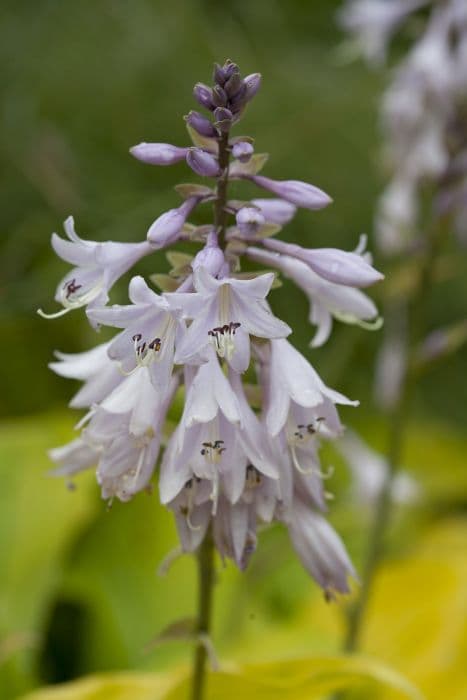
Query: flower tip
141	151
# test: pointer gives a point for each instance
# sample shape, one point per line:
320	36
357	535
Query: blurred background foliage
81	83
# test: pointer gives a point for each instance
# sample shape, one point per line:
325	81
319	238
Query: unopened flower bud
158	153
230	68
233	85
276	211
242	150
223	118
249	220
252	83
237	102
202	162
203	94
299	193
201	124
219	96
210	257
219	76
332	264
166	228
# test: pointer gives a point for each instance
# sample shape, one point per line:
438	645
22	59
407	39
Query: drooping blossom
327	299
98	267
228	465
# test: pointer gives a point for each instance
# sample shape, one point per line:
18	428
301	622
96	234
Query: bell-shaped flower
327	299
224	313
337	266
218	437
93	367
148	339
294	381
98	267
74	457
320	549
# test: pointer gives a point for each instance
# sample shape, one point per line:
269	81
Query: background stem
397	420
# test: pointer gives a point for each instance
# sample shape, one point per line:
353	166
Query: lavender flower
422	111
158	153
225	467
98	267
202	162
299	193
336	266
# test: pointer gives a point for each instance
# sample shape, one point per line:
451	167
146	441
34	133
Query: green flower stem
206	578
397	433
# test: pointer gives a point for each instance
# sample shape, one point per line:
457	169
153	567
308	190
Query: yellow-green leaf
111	686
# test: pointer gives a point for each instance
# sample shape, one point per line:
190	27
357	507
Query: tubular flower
98	267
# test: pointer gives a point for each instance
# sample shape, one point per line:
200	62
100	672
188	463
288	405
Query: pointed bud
201	124
203	94
233	85
219	96
166	228
242	150
202	162
332	264
252	83
299	193
158	153
219	76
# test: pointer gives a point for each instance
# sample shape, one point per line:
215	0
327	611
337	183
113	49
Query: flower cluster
424	111
241	453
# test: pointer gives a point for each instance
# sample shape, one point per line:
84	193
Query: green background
81	83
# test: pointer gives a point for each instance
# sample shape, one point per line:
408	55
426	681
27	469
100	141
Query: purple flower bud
219	75
276	211
219	96
230	68
200	124
223	73
242	150
203	94
210	257
252	83
299	193
223	118
233	85
238	100
249	220
158	153
332	264
202	162
166	228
